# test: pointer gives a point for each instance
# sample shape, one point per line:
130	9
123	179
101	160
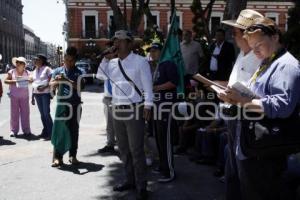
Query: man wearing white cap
130	77
245	66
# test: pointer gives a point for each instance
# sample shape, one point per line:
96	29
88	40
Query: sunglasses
19	62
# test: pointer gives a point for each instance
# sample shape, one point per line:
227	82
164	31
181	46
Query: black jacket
225	59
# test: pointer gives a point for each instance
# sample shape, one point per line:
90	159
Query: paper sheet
242	89
22	82
206	81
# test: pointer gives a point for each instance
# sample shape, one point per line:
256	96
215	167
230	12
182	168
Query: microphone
107	51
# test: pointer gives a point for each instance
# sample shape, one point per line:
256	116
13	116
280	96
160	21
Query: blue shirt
74	75
279	90
279	87
166	72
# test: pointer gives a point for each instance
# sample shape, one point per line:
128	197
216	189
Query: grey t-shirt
191	53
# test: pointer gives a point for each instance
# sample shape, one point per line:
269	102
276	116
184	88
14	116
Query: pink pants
19	107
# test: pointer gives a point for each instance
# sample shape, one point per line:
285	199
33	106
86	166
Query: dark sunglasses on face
18	62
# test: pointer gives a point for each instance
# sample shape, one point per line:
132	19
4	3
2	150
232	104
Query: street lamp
90	43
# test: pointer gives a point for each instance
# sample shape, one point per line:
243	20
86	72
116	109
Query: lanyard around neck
263	68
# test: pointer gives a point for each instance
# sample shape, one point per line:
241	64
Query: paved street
25	171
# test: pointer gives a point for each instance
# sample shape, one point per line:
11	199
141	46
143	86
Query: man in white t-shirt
245	66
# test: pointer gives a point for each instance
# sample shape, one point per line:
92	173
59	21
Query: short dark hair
266	30
43	58
219	30
72	51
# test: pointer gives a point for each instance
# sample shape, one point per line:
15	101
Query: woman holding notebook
18	80
277	95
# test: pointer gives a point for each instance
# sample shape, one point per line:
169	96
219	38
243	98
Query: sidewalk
25	172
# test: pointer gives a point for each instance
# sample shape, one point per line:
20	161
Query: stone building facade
34	45
11	29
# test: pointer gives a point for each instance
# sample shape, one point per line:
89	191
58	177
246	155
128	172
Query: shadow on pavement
6	142
83	168
193	182
116	176
102	154
93	88
30	137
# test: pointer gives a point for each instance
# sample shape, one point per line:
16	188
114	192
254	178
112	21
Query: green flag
172	52
60	138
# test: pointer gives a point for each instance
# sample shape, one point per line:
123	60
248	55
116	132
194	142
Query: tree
232	11
233	8
139	8
117	14
201	28
201	18
292	35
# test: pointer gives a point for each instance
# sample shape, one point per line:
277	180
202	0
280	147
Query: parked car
86	69
29	67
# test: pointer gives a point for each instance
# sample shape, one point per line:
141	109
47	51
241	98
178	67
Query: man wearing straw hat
245	66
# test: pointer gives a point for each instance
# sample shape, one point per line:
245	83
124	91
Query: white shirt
137	69
99	76
244	68
191	54
41	76
213	60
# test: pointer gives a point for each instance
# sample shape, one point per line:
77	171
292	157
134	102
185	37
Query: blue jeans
43	103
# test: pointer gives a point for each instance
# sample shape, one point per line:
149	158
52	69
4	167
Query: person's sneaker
107	149
12	134
74	161
166	179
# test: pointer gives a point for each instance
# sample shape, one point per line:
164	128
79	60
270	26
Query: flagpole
172	7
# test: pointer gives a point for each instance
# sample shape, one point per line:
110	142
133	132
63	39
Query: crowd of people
141	101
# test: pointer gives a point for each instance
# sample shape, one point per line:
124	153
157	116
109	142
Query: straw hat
264	24
18	59
245	19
